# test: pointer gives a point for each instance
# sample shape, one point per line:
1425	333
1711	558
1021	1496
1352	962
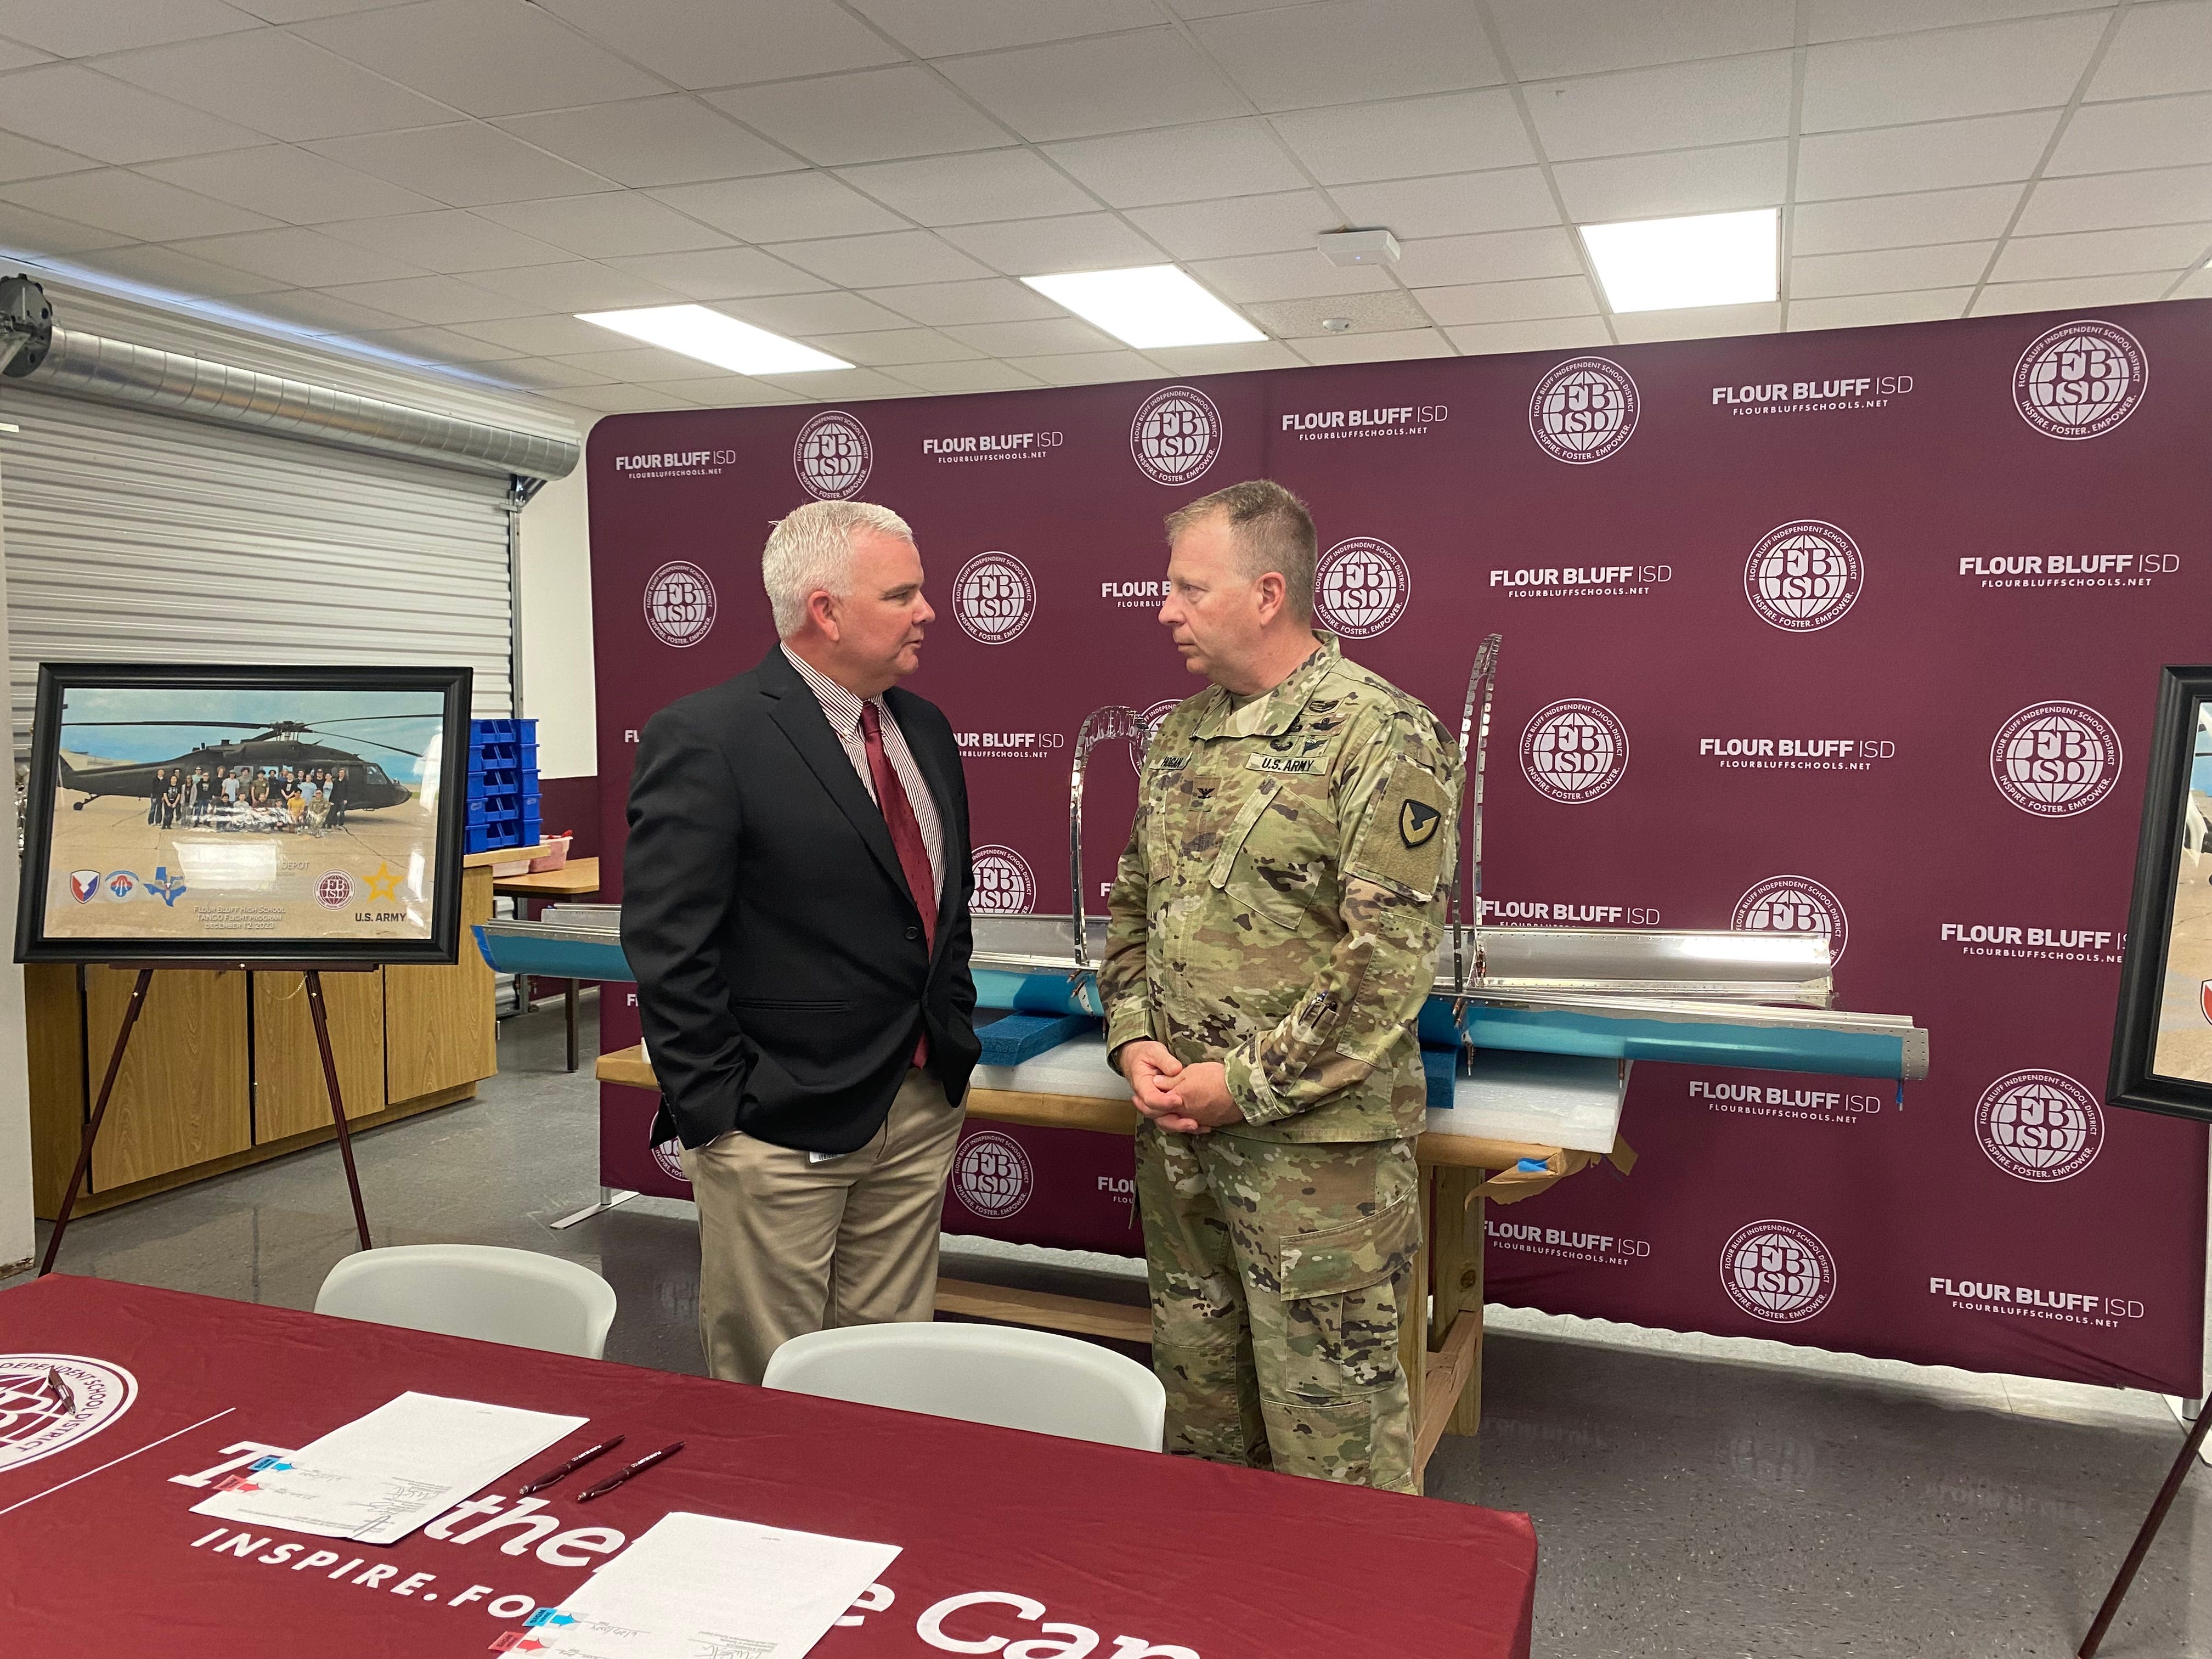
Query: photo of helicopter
274	746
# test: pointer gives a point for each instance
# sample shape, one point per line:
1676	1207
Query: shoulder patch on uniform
1417	822
1409	834
1294	764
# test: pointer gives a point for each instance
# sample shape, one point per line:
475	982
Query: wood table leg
1458	1251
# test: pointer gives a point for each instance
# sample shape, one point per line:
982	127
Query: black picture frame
183	945
2183	695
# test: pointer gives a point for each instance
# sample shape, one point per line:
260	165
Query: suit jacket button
913	932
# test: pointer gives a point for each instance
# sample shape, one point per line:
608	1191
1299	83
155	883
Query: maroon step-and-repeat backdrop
1856	631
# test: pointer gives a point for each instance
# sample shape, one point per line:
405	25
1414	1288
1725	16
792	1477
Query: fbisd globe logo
1778	1272
335	890
668	1158
679	603
1361	586
1803	576
1005	883
991	1174
1794	904
50	1401
1574	750
1584	410
832	456
1176	435
2039	1126
2055	759
2079	380
993	597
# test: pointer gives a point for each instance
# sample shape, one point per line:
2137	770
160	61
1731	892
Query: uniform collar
1271	715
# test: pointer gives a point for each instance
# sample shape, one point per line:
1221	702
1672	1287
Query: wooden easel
314	973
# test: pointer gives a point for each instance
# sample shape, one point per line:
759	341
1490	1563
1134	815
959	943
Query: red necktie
906	839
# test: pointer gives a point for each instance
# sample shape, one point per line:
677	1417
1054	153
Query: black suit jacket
781	975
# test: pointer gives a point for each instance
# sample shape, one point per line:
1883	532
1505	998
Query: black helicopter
276	743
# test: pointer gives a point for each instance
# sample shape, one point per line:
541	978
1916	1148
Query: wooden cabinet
289	1095
424	1053
184	1094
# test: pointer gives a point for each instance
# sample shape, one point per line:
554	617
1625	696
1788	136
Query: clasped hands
1184	1100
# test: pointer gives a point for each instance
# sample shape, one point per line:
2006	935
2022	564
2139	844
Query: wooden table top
572	880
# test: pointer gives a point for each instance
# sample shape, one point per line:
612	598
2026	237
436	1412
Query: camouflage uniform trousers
1279	1274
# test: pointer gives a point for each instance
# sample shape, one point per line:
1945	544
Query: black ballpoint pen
571	1466
638	1467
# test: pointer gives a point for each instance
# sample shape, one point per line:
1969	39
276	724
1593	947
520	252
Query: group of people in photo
310	801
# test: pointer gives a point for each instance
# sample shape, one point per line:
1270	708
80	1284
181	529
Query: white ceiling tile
1722	102
1949	264
70	107
1037	247
1375	348
895	256
543	372
1088	367
1499	256
448	242
2197	285
147	209
442	299
1703	323
1459	132
782	206
963	189
980	376
635	363
844	385
14	55
1989	149
1544	38
2166	48
2103	252
1348	50
890	347
288	183
1056	335
725	392
541	336
19	158
320	313
1850	20
1301	276
1078	88
486	57
299	11
2154	132
639	142
2110	201
870	115
1917	220
626	399
277	83
1673	182
1949	73
939	28
578	285
465	165
607	225
2069	293
1512	198
24	231
832	313
1932	305
1531	299
1387	309
434	344
995	301
721	273
724	43
1537	334
180	273
1239	358
81	30
1180	164
298	257
1239	225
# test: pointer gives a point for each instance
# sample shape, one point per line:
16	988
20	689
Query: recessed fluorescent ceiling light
1148	306
1670	265
713	338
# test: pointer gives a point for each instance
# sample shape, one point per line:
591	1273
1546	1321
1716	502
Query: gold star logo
383	885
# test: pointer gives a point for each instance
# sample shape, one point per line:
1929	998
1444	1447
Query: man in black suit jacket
795	905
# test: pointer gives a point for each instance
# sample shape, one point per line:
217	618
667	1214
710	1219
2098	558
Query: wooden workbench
577	878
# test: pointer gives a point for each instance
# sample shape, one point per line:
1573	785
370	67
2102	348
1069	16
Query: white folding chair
494	1295
1015	1378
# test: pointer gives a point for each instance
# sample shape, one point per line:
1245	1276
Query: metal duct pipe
62	360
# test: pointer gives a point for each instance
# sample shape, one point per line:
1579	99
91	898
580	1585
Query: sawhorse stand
314	973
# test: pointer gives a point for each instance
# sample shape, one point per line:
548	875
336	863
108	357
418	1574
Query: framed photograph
2162	1044
299	815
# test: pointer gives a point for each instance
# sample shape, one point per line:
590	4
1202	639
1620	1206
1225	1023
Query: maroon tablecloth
1199	1562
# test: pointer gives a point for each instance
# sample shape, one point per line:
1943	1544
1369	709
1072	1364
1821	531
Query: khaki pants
1279	1275
788	1246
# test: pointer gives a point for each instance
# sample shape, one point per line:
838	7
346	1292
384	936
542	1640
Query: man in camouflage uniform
1272	934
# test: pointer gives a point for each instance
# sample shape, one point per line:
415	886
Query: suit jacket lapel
799	712
933	763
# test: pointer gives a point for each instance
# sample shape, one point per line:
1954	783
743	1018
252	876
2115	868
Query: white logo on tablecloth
1361	585
679	603
1778	1272
1803	576
992	1175
993	597
2039	1126
1005	883
832	456
50	1401
1794	904
2052	760
1176	435
2079	380
1584	410
1574	750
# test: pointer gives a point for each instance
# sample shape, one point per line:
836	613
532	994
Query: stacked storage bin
503	799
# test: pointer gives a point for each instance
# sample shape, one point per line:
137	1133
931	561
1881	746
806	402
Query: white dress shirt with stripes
843	709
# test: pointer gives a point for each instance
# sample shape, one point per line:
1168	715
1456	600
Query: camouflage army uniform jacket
1278	906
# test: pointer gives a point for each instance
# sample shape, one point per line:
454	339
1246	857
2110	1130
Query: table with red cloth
1010	1541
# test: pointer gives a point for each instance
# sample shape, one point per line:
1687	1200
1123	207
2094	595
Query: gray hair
810	549
1271	531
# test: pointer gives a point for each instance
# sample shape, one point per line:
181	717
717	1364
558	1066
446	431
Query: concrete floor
1695	1498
